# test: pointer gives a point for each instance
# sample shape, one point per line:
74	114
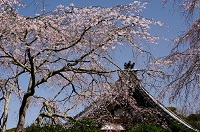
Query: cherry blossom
67	51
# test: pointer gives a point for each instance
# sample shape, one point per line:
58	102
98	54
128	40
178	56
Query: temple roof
128	94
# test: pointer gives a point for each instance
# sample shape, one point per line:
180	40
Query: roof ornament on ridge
129	65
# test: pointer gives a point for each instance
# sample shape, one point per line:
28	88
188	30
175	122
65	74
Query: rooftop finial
129	65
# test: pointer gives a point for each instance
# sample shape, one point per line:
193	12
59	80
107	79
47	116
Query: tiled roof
137	89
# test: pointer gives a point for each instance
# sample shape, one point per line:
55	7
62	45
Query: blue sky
173	26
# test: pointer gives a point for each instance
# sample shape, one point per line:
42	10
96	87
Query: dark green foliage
11	130
147	128
176	127
195	124
151	127
194	117
46	128
182	117
194	120
88	125
173	109
85	125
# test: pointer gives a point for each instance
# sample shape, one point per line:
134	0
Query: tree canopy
65	56
66	50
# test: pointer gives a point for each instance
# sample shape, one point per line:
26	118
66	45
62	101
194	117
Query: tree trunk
5	115
22	113
27	96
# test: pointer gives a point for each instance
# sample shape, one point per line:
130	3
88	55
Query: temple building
129	103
